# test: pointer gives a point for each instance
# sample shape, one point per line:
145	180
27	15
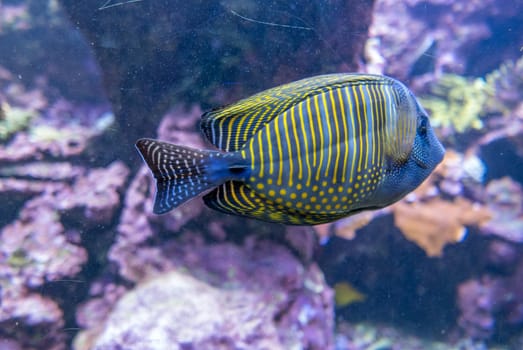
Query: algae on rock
13	119
458	102
461	103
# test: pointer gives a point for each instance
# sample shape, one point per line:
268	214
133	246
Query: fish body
308	152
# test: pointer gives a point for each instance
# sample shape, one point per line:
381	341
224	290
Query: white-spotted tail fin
182	173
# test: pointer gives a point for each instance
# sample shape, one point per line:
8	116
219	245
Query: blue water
80	82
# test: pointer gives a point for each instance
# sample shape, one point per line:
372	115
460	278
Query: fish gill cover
81	249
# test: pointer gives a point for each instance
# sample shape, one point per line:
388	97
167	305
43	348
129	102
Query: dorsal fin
228	128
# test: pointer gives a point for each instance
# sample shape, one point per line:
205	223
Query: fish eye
422	128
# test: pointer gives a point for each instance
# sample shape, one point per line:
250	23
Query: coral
476	305
29	321
505	201
390	48
17	95
93	313
36	249
35	126
179	126
507	121
41	246
458	171
457	102
463	103
34	252
492	302
53	171
231	302
508	127
439	33
42	141
367	336
101	190
14	17
347	227
492	105
437	222
507	83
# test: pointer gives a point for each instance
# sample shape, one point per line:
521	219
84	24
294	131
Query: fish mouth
441	153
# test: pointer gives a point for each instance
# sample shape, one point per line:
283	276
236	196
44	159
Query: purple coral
95	197
37	249
505	200
34	251
491	303
252	296
402	32
30	321
476	300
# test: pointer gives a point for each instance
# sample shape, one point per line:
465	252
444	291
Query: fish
304	153
346	294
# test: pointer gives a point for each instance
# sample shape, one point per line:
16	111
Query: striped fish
308	152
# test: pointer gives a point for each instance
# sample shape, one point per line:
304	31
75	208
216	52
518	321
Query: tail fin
182	173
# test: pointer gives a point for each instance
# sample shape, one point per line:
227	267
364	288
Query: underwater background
85	264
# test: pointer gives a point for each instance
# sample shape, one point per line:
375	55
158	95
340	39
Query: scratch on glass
110	3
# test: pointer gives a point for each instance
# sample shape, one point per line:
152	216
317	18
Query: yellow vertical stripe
365	123
338	141
389	121
360	127
260	156
253	117
320	134
220	132
326	117
226	199
382	122
370	131
230	124
240	126
290	156
235	197
280	153
306	144
354	136
269	146
400	125
345	133
299	155
312	132
380	103
375	113
251	151
249	203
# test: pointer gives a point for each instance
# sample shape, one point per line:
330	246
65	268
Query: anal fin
236	198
